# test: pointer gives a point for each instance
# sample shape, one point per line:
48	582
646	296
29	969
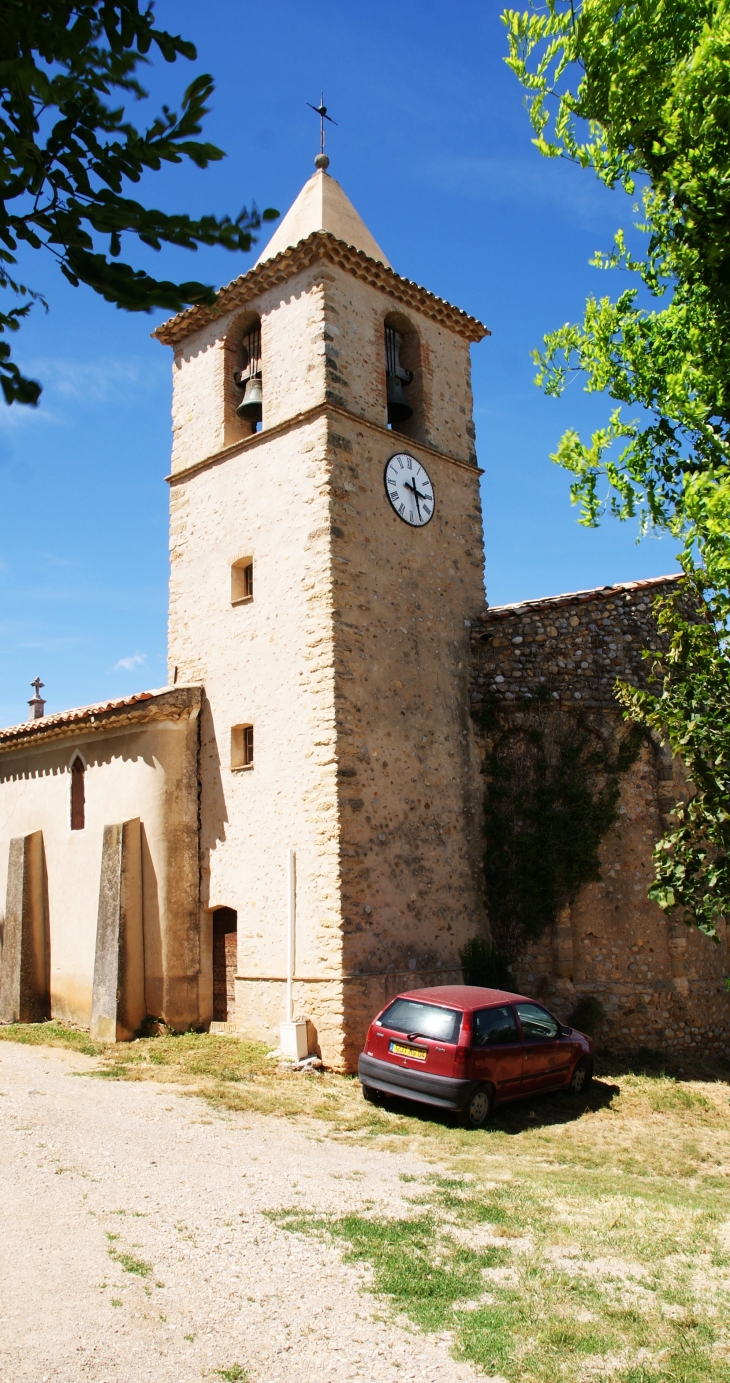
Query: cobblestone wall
660	983
577	644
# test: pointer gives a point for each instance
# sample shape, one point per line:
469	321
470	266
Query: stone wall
577	644
660	983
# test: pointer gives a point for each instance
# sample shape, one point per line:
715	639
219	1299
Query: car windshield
426	1020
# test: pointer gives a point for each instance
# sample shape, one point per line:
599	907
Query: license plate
416	1053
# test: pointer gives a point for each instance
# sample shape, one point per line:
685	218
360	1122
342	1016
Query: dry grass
579	1240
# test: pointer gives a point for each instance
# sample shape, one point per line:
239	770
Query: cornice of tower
319	410
320	245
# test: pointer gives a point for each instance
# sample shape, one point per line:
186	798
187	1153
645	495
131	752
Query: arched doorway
225	959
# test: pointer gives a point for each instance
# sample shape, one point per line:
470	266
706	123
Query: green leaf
68	154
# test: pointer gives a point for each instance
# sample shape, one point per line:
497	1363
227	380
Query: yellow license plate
400	1049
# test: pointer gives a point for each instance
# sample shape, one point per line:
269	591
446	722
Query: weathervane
321	160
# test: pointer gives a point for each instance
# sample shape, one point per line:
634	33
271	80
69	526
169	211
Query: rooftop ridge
78	715
575	597
320	244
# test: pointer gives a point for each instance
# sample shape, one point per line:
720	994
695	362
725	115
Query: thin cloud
133	661
78	381
524	183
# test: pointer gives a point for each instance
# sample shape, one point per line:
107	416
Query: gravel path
185	1190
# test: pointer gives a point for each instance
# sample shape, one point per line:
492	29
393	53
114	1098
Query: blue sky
433	147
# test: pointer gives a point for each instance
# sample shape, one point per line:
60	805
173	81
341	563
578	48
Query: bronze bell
250	406
398	409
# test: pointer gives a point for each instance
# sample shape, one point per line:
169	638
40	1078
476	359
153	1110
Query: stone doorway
225	960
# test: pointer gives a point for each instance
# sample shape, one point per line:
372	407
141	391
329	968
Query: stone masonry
337	709
351	660
661	983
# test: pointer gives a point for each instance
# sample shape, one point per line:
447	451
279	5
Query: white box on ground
293	1039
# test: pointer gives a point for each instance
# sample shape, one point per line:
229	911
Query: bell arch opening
243	412
225	964
404	377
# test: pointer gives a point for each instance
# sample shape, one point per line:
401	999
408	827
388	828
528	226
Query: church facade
297	817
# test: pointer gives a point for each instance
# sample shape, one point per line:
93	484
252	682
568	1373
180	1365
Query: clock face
409	489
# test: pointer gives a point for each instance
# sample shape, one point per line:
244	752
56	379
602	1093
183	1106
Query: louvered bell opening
397	376
248	378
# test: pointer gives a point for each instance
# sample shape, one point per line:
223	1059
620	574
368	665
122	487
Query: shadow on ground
559	1107
534	1111
646	1062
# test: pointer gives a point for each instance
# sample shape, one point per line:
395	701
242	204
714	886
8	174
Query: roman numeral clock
409	489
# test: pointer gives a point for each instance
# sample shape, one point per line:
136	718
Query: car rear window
427	1020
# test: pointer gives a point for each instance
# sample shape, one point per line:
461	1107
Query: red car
469	1049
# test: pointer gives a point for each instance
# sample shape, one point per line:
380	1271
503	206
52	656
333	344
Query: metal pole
291	934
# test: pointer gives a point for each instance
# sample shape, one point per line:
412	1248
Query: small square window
242	581
242	746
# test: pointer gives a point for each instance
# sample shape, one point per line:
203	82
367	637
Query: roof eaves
98	715
320	244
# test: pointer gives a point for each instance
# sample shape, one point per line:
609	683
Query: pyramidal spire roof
322	206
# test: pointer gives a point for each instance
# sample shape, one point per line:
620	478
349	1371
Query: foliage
483	964
67	150
641	94
553	785
692	860
588	1014
651	104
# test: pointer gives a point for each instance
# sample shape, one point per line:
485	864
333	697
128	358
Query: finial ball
322	162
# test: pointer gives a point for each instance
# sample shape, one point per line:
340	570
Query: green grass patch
424	1273
189	1055
127	1261
51	1035
573	1284
570	1239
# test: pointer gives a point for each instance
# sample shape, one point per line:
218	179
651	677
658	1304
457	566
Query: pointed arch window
78	794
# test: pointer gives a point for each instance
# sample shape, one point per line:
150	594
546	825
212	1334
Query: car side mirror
565	1032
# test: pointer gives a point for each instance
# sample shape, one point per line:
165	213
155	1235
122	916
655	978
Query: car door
546	1060
497	1050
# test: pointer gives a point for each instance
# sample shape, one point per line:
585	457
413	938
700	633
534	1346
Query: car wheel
478	1108
372	1096
581	1077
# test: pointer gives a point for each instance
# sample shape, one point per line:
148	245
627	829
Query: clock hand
416	494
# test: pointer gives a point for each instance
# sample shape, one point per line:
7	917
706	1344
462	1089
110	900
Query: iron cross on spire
37	704
321	160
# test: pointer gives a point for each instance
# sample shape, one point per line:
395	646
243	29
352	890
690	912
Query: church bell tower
326	562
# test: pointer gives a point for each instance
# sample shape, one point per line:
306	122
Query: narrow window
248	378
77	794
242	581
404	377
242	746
225	957
244	380
399	410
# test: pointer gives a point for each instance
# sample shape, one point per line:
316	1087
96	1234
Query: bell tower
326	562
